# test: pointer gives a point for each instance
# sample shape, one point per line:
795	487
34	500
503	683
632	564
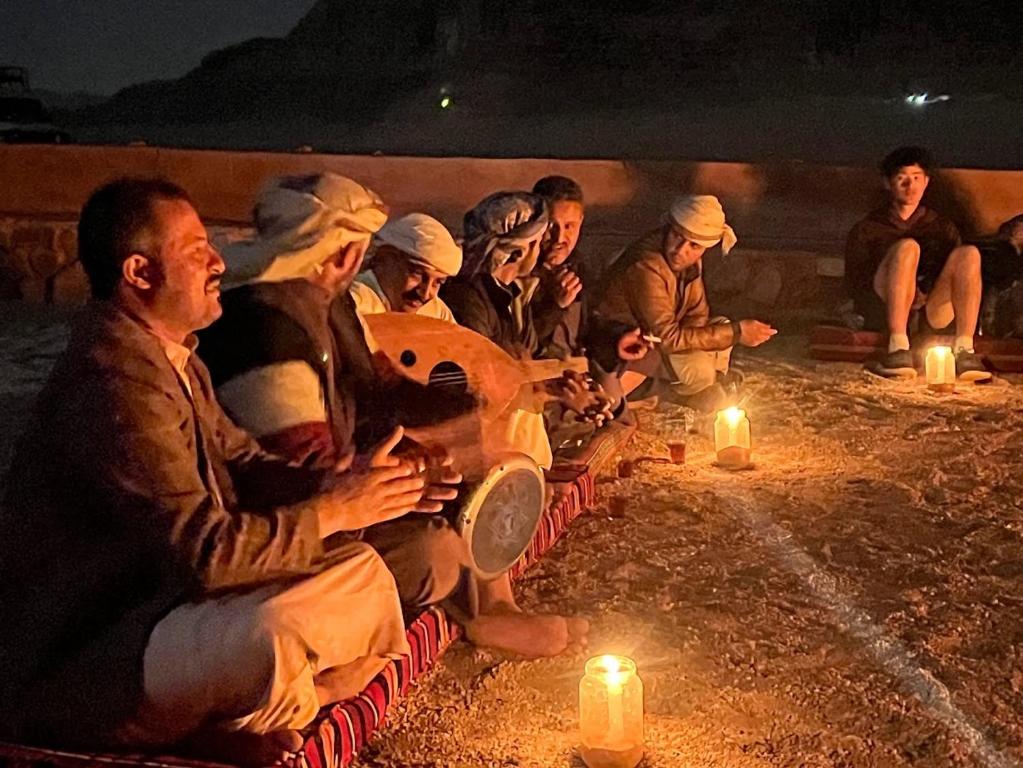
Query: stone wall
791	218
39	259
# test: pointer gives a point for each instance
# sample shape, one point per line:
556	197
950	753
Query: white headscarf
301	221
703	219
423	240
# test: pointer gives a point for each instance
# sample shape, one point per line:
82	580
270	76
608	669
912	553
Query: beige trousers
524	431
248	661
697	370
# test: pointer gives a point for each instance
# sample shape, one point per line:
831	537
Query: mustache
410	296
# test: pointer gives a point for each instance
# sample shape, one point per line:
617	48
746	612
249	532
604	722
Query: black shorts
875	316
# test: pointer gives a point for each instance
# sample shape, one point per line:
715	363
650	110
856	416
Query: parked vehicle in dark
24	119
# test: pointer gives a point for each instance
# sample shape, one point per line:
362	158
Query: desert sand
854	599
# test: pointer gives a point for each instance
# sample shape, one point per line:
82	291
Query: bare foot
532	636
246	749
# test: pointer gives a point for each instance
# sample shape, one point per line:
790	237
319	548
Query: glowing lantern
611	713
732	438
940	369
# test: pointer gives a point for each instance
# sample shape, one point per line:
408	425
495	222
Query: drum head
502	514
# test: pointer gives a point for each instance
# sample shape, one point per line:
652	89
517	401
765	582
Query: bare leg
957	293
497	596
895	283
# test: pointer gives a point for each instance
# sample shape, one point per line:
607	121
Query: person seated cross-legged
905	256
493	295
414	257
163	580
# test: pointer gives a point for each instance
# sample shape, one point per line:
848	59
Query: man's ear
351	256
137	271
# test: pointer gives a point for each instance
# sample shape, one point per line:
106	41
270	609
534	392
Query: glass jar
611	713
732	438
940	369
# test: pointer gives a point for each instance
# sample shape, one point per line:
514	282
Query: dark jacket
574	330
125	499
870	239
1001	309
481	303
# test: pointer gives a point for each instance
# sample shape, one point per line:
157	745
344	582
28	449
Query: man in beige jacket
657	284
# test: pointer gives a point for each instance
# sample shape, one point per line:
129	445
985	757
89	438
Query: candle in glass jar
732	438
940	369
611	713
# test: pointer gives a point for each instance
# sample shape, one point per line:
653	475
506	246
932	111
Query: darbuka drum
498	515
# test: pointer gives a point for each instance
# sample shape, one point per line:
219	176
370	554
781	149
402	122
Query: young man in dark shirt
904	256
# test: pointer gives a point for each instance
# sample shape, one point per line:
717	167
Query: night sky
100	46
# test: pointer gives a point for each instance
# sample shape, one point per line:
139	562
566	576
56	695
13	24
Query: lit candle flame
612	671
733	415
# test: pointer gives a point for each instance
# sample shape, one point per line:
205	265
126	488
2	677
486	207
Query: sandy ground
854	600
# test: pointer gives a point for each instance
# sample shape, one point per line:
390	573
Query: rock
32	289
70	286
44	262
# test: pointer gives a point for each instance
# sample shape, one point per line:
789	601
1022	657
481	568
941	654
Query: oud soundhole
449	374
408	358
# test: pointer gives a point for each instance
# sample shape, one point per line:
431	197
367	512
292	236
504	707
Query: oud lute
438	353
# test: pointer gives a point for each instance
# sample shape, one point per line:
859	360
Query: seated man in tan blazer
163	579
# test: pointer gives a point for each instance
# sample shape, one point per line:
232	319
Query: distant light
920	99
445	102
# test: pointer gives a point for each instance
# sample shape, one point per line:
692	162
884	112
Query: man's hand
441	482
361	498
753	333
567	287
633	346
377	488
584	397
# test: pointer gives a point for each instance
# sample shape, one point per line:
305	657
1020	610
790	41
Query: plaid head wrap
499	226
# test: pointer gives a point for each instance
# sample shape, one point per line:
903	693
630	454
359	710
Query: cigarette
651	338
